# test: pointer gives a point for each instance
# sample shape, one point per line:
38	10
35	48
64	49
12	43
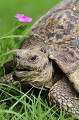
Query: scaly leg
64	95
8	79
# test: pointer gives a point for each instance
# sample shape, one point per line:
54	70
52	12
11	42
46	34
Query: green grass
22	106
26	106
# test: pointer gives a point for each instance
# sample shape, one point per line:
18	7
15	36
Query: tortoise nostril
17	55
33	57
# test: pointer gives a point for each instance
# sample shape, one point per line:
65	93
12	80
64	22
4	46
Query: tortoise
49	57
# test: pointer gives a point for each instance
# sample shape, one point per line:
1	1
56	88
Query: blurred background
32	8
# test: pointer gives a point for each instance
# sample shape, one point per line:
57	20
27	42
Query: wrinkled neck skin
33	67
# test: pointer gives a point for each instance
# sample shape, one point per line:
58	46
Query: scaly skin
63	95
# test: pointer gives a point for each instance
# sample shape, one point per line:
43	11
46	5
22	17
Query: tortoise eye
33	57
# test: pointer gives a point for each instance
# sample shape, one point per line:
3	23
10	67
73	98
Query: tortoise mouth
24	68
22	72
25	73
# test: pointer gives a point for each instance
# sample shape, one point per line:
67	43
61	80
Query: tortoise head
33	68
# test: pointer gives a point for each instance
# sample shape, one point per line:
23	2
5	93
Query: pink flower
23	18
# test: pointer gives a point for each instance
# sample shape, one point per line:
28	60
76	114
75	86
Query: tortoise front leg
64	96
8	79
